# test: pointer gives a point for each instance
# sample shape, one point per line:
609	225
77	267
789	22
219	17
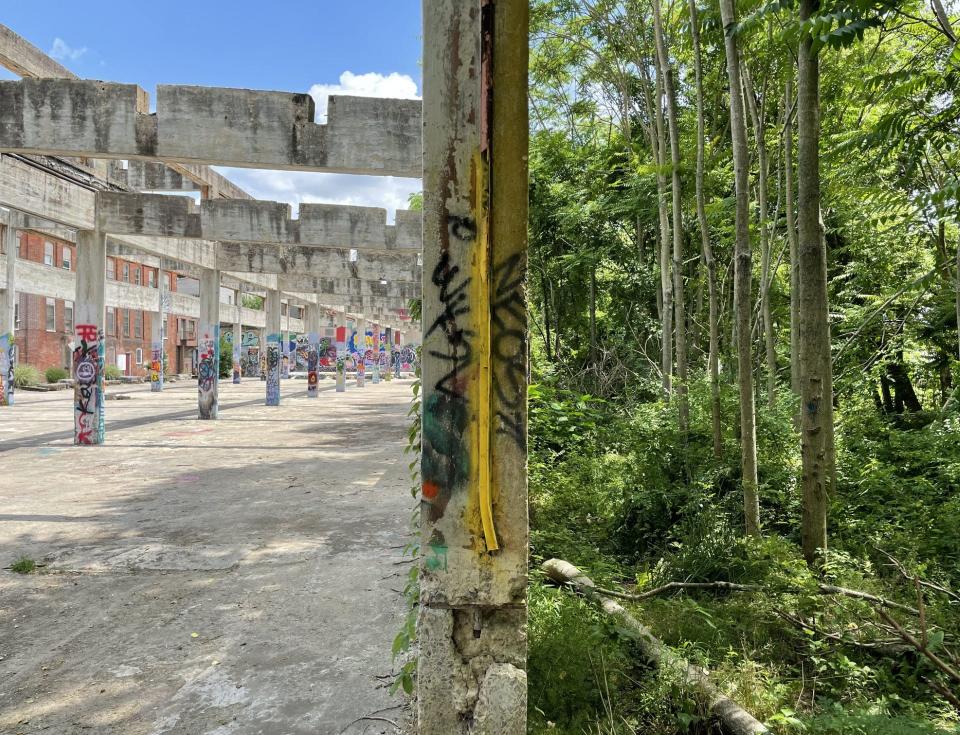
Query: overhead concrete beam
241	257
151	176
244	220
211	125
404	291
357	303
25	60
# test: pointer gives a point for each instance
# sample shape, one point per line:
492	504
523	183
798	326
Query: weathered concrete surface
271	536
348	287
251	220
240	257
211	125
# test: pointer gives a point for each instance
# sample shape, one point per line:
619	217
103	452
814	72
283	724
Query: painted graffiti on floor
88	385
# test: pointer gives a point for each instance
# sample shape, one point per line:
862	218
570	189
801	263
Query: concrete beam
402	291
241	257
319	225
151	176
25	60
362	304
211	125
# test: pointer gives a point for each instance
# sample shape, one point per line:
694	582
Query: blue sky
359	47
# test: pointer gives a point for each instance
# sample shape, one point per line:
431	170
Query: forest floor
223	578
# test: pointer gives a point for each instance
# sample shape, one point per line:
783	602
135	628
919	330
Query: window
139	356
111	269
191	328
47	252
126	322
151	278
137	275
111	321
51	315
68	317
126	273
16	314
66	262
137	324
19	239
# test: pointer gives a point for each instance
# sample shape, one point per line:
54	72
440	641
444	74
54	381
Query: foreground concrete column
341	339
8	302
273	348
237	351
157	328
313	351
208	344
473	576
89	345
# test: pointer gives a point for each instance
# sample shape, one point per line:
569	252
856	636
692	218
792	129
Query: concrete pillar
388	353
285	346
8	303
273	348
237	350
88	342
375	353
313	350
262	353
361	354
157	329
341	338
471	674
208	344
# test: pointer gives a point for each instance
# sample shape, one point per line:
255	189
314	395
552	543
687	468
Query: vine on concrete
406	638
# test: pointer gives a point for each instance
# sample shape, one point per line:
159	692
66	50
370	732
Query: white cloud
63	52
398	86
369	191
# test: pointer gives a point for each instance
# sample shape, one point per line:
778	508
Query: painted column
237	350
285	346
375	353
360	356
88	345
313	351
262	353
157	329
397	357
387	346
8	302
208	344
341	338
273	348
473	574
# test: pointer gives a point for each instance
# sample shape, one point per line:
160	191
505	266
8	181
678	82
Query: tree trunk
546	317
593	317
791	236
816	379
905	397
742	274
769	338
713	320
666	284
680	327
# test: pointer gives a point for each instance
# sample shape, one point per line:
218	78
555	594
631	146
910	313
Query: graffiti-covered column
208	344
88	343
313	350
157	328
237	350
472	638
360	355
285	345
341	339
386	347
375	352
8	302
273	348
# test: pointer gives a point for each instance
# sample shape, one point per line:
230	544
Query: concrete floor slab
231	577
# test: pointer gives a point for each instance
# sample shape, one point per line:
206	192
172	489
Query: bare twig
906	635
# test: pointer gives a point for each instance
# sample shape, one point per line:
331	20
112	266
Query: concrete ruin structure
464	255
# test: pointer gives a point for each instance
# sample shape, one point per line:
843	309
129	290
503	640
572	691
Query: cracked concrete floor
235	577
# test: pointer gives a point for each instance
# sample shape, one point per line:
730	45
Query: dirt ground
231	577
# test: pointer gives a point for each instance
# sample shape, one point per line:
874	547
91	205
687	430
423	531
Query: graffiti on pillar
313	365
156	367
396	363
88	385
208	368
408	358
8	361
328	353
272	370
361	372
509	348
445	462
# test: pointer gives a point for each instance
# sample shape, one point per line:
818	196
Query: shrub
112	372
55	374
24	375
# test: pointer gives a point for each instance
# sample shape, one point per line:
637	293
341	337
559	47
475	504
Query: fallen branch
734	718
906	635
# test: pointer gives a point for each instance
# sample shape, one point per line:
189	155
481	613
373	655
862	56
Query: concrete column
208	344
88	348
471	674
388	360
375	353
8	303
273	348
285	346
361	355
313	351
237	350
262	353
341	339
157	328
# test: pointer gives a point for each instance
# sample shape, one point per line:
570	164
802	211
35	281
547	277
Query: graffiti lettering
208	368
88	386
509	349
272	372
